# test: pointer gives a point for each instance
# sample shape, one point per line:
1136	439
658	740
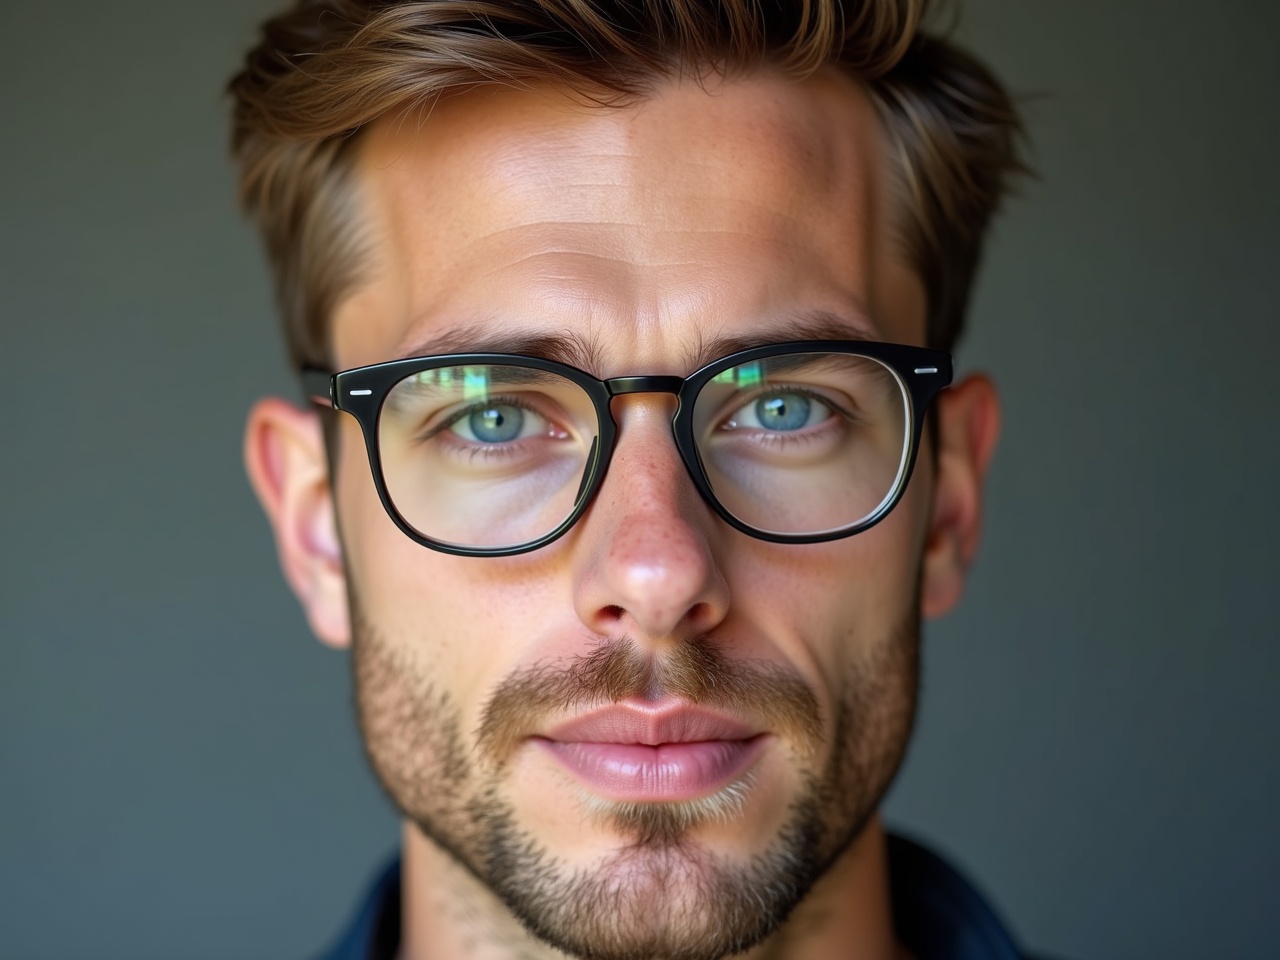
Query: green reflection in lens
439	377
475	382
747	375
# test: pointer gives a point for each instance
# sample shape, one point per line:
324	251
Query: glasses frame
361	392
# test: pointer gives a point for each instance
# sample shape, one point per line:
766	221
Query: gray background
179	772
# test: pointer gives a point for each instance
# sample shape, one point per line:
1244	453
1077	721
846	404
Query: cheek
825	608
418	600
886	560
467	621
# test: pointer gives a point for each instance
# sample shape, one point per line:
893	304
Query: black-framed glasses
489	454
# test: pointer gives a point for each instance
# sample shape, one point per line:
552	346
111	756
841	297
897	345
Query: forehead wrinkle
567	279
623	245
763	146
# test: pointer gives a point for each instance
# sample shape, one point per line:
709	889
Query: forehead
640	232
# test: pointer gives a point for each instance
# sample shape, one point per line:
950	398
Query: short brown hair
326	68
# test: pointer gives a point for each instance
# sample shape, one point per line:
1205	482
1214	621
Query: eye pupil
787	411
500	423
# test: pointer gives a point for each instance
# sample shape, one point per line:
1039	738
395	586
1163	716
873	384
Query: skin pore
638	235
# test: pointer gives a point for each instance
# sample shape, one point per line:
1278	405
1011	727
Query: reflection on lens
804	443
485	456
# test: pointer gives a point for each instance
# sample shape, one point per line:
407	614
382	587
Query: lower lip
635	772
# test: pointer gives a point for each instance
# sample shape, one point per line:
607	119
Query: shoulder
938	913
374	931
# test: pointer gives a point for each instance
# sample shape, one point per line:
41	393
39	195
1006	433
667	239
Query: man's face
651	736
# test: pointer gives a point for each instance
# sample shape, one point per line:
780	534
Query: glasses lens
486	456
805	443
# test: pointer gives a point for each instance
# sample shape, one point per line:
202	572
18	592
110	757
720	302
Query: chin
674	897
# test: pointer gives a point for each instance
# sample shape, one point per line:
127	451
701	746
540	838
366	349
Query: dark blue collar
938	914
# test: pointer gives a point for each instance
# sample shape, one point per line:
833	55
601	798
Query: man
641	464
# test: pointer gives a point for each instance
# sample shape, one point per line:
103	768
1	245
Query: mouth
635	752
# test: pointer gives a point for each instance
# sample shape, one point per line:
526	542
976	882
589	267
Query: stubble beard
661	893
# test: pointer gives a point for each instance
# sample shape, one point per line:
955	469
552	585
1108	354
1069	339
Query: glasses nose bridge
672	386
659	384
626	386
621	386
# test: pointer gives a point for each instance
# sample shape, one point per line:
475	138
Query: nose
646	568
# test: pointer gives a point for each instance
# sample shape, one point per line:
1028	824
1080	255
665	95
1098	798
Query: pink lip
642	752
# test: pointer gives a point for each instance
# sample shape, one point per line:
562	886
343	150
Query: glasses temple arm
317	385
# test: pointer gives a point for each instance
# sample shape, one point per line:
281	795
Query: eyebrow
586	354
562	347
813	325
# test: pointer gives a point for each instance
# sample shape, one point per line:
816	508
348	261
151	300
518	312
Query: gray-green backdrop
179	771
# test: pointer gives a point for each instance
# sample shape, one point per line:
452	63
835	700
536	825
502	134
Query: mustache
695	670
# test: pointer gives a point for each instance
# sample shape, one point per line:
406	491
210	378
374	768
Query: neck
448	913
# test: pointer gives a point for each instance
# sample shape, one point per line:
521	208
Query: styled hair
324	69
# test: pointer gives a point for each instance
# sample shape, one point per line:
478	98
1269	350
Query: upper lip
650	724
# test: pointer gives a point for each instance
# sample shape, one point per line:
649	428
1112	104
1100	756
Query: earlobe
284	455
968	422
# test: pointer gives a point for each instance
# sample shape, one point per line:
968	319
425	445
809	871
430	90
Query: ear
968	422
284	454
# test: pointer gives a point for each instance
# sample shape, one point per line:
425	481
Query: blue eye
780	412
497	423
783	411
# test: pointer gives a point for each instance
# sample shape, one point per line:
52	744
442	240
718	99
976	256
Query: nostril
613	612
701	613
